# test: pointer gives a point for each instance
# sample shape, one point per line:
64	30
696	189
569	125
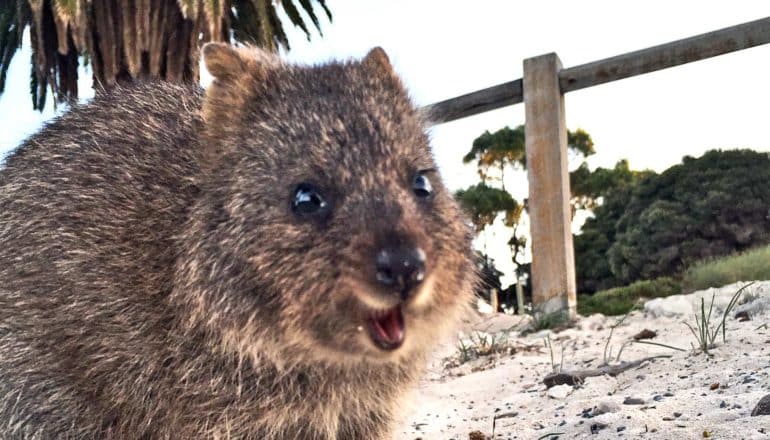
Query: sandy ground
687	396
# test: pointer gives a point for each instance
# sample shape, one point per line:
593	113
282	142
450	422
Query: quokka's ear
225	62
222	60
377	61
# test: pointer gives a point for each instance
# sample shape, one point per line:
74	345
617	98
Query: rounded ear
223	61
378	61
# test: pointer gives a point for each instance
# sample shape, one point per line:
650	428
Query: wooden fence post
553	260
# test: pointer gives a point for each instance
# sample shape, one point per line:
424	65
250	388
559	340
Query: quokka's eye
421	186
309	202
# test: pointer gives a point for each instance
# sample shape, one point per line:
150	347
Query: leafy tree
606	192
589	186
709	206
506	148
484	203
493	154
126	40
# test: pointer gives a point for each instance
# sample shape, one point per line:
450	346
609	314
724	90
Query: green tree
704	207
125	40
606	192
506	148
494	153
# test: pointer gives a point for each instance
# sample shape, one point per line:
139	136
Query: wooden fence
542	90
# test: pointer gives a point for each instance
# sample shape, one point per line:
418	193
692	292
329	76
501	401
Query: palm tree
125	40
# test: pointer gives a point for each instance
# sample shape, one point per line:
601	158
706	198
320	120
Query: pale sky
444	48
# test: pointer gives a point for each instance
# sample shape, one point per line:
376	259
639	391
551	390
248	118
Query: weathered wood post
553	260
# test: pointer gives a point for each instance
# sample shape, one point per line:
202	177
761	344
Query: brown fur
154	282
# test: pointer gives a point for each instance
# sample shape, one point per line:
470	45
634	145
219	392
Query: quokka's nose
401	269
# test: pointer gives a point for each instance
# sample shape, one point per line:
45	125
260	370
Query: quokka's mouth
387	328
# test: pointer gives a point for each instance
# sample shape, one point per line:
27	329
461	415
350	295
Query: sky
445	48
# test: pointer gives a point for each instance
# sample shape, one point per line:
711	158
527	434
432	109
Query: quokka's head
327	231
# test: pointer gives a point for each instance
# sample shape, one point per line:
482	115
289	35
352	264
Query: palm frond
296	19
279	36
11	30
127	40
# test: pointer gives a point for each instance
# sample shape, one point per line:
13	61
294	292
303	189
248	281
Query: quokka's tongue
388	329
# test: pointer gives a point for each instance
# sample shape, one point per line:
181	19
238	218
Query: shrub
747	266
620	300
705	207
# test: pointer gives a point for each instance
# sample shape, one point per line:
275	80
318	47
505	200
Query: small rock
476	435
587	413
763	407
675	305
633	401
560	391
743	316
714	386
621	428
645	334
657	398
596	427
607	406
677	414
723	404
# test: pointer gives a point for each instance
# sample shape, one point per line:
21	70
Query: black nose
401	269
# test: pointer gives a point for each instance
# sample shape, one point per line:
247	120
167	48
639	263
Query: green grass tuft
620	300
747	266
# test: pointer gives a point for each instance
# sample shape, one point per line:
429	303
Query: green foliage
580	142
588	186
484	203
615	187
479	344
704	207
12	19
256	21
506	148
703	330
499	151
621	300
750	265
546	321
67	33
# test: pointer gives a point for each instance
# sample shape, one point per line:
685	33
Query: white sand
677	399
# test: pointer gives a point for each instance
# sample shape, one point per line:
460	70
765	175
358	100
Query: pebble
560	391
596	427
633	401
645	334
606	406
743	316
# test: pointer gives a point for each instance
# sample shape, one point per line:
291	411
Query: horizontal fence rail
699	47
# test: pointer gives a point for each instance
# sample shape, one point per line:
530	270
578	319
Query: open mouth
387	328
